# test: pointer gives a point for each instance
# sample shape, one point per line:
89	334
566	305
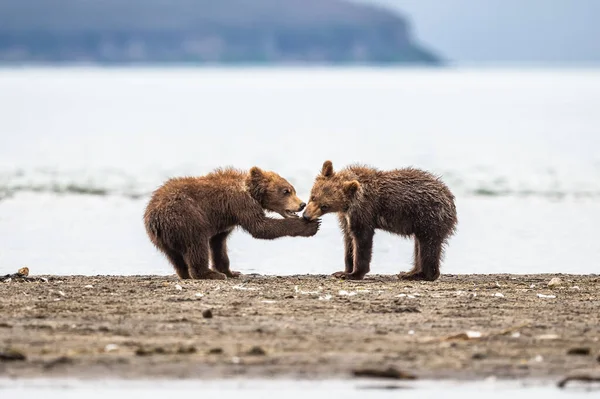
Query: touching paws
308	228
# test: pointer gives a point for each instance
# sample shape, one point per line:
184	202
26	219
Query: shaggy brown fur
190	218
408	202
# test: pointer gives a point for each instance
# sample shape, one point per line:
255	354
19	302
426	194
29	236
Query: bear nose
302	206
306	217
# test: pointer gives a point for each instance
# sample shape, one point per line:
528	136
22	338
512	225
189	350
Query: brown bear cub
408	202
190	218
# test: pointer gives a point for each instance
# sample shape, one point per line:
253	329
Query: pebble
257	351
555	282
207	314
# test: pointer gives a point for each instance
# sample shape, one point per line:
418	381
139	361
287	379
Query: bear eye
324	207
313	199
286	191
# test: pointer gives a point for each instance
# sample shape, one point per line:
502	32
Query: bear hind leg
428	254
218	252
176	259
197	262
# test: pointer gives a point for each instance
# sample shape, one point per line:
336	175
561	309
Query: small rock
11	355
207	314
178	287
199	295
499	295
478	356
579	351
256	351
575	287
89	286
555	282
215	351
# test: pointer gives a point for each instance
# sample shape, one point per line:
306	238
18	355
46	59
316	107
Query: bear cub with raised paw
407	202
190	218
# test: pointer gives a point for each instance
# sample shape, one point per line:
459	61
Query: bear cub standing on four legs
190	218
408	202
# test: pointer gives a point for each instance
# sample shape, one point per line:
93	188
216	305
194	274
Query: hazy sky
534	31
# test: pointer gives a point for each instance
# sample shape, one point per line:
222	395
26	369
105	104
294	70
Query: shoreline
310	327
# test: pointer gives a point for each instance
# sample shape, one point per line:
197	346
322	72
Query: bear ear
256	173
255	183
327	170
351	188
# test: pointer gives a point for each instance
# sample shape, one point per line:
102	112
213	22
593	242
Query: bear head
273	192
330	193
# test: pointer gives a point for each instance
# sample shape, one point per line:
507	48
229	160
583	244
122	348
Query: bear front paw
309	228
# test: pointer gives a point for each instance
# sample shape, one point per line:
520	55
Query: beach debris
555	282
89	286
409	296
580	351
111	348
498	295
299	291
269	301
346	293
207	314
325	297
235	360
580	378
464	336
21	275
242	287
546	296
532	286
178	287
548	337
61	293
411	332
575	287
159	350
256	351
198	295
363	291
516	334
11	355
538	359
390	373
498	285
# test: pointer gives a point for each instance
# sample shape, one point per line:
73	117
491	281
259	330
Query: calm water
81	149
293	389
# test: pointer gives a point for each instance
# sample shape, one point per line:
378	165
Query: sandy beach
460	327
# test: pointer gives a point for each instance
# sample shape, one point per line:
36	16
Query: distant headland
206	32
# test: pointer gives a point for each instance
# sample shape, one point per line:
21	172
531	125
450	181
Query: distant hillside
218	31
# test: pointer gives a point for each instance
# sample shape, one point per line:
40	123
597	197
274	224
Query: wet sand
459	327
